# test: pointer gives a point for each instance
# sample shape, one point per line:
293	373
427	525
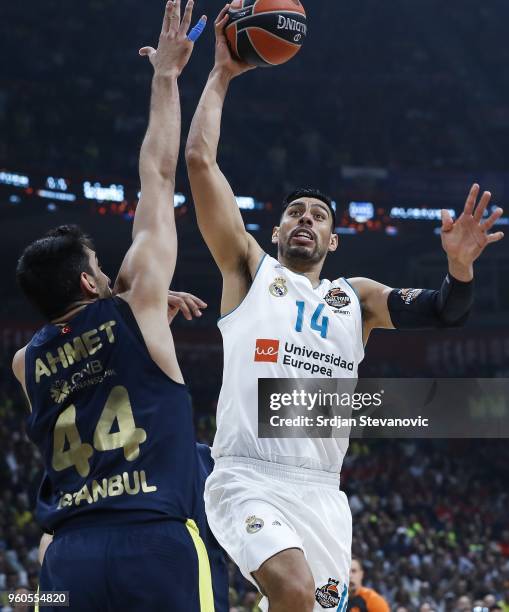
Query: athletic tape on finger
197	31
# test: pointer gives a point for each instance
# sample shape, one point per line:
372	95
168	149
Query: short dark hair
49	269
310	192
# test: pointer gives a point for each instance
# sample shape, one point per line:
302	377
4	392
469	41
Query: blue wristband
197	31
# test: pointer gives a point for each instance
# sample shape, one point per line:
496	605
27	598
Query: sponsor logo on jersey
338	299
278	288
327	595
266	350
254	524
292	353
59	391
91	374
409	295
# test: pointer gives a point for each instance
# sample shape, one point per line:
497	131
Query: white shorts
257	508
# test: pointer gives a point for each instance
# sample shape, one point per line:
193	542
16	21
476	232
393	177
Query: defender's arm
148	267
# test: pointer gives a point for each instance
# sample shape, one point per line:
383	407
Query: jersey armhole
360	313
130	321
222	318
356	294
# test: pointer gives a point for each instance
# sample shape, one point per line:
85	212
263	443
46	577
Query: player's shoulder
18	364
367	288
360	283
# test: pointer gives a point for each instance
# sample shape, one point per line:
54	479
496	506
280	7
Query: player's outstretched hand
188	304
175	45
467	237
225	60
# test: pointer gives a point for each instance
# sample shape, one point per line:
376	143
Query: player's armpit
147	269
373	298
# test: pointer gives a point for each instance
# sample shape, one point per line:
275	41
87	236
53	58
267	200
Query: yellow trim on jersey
36	607
205	577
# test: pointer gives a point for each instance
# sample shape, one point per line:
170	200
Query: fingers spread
495	237
481	207
175	18
447	221
471	199
492	219
197	31
186	20
168	13
146	51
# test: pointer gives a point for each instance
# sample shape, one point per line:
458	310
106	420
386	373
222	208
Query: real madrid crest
253	524
278	288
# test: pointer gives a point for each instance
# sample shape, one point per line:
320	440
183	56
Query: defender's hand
225	60
175	47
466	238
187	303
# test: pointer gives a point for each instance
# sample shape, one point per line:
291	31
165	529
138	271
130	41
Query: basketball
266	32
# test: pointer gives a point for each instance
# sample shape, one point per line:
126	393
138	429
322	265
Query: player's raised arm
218	215
148	267
463	241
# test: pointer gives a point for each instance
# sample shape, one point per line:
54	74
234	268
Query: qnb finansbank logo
266	350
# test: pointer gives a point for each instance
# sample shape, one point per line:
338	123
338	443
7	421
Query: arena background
394	109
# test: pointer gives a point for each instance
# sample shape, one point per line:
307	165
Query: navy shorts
161	565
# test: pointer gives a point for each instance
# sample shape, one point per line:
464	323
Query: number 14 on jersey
316	325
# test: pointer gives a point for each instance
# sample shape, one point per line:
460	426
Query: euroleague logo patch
409	295
337	298
327	595
278	288
266	350
254	524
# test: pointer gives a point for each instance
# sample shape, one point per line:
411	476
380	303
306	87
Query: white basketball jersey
285	329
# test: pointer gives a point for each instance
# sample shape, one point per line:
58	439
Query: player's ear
333	243
88	285
275	235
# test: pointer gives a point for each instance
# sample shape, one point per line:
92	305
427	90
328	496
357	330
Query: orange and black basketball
266	32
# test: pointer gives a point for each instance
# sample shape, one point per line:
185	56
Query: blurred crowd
430	516
392	85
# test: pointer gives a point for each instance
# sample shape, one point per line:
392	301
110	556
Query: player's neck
307	269
71	312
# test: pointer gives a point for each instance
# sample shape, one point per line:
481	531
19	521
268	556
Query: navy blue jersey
217	556
114	431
